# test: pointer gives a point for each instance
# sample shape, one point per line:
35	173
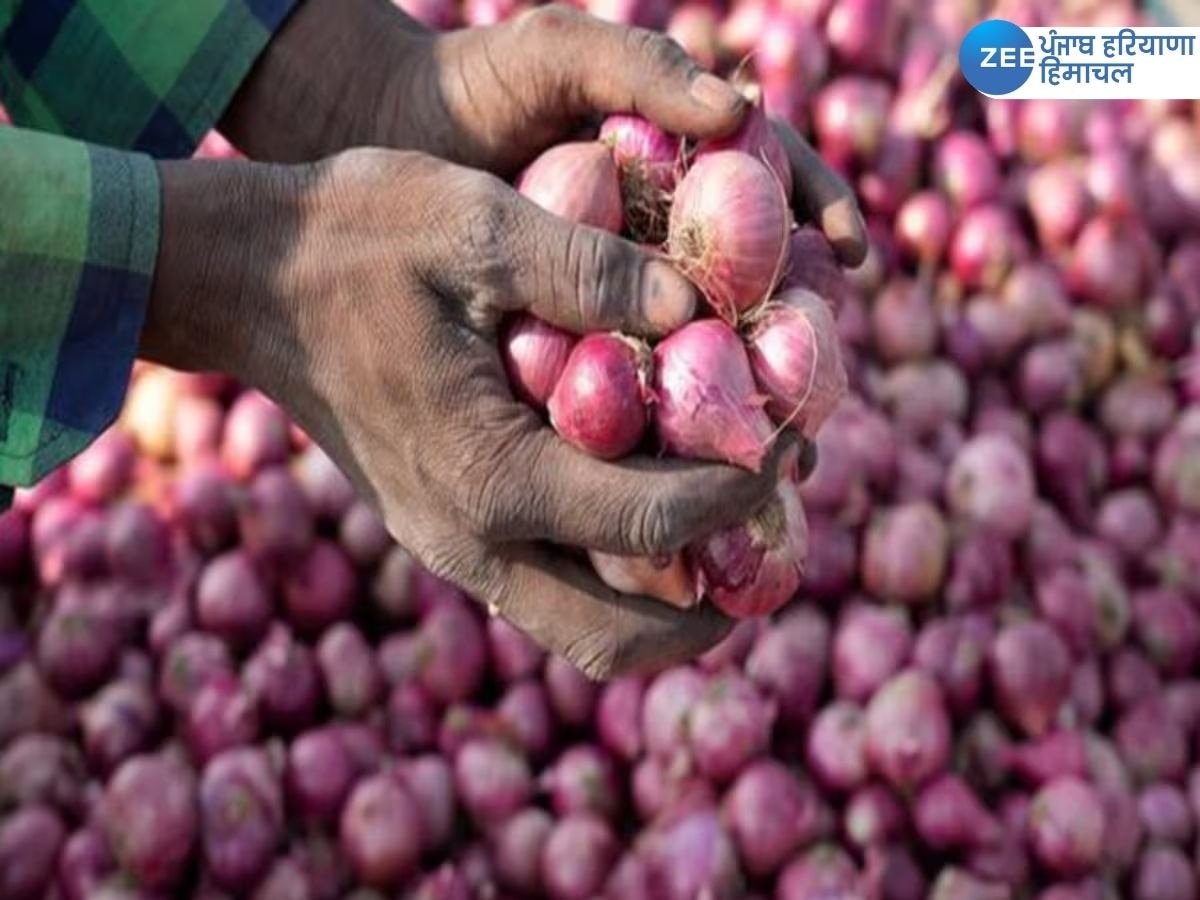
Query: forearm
332	78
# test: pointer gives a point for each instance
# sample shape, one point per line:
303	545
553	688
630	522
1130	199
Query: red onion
1164	811
1150	742
907	729
525	711
380	831
319	774
794	354
691	856
706	397
319	590
813	266
836	747
643	13
665	578
1164	873
1058	202
923	226
771	813
956	884
789	661
514	656
665	708
863	33
105	469
256	435
535	355
954	651
729	230
353	681
241	817
1109	263
822	871
850	117
284	678
754	568
120	720
618	717
874	816
517	850
30	840
991	484
728	725
756	137
986	246
221	716
871	645
648	160
599	402
904	558
1066	825
584	779
966	170
947	814
577	181
577	857
149	814
452	653
572	694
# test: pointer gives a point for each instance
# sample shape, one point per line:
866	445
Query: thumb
585	279
614	69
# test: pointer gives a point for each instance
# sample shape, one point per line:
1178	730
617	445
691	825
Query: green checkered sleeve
79	222
147	75
78	240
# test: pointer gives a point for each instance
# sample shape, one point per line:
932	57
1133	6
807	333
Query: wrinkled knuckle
659	51
606	279
463	562
549	22
488	507
600	659
654	526
489	222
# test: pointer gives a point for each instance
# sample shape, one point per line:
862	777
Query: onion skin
664	578
1066	824
535	355
757	137
648	160
754	568
729	230
908	730
797	361
579	182
707	406
599	403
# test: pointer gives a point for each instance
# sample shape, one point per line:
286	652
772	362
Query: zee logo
996	57
1006	58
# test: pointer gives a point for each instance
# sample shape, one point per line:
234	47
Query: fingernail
668	299
715	93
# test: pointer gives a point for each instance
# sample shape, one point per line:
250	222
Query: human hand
363	294
346	73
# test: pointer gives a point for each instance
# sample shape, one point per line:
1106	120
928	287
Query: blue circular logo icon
996	57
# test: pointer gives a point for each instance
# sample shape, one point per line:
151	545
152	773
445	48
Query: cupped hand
493	98
363	293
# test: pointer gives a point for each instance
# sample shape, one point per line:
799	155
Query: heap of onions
220	678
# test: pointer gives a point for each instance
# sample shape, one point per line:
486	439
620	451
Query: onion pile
220	678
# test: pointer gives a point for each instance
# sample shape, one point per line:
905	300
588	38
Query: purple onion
619	715
584	779
319	774
353	682
836	748
524	711
30	839
430	781
241	817
729	725
788	661
492	780
771	812
577	856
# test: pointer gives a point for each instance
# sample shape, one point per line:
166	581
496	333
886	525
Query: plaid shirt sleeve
79	229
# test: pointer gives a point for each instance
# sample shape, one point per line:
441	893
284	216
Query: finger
611	68
585	279
634	507
559	602
823	195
